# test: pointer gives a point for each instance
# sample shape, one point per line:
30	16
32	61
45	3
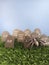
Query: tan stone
20	36
34	35
27	32
4	35
9	42
37	31
44	40
15	33
46	44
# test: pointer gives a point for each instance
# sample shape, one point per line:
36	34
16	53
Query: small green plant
21	56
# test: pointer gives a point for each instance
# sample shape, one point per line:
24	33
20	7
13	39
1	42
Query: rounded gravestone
27	32
34	35
4	35
20	36
9	42
37	31
15	33
44	40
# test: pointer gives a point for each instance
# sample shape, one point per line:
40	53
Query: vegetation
21	56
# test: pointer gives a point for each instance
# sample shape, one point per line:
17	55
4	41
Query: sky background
23	14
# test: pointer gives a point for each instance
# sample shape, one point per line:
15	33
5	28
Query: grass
21	56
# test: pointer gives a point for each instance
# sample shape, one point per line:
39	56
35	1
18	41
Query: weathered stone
46	44
34	35
27	32
20	36
15	33
37	31
9	42
44	40
4	35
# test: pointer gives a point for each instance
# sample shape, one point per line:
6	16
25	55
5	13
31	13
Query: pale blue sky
22	14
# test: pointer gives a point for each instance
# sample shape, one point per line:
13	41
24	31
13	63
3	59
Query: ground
21	56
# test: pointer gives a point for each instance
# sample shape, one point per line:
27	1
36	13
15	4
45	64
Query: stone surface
27	32
9	42
34	35
44	40
4	35
15	33
20	36
37	31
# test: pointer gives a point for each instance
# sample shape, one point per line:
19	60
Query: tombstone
44	40
20	36
15	33
46	44
37	31
4	35
27	32
9	42
34	35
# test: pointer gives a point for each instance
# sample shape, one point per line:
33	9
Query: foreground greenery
21	56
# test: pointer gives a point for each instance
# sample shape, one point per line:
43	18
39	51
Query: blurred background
23	14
